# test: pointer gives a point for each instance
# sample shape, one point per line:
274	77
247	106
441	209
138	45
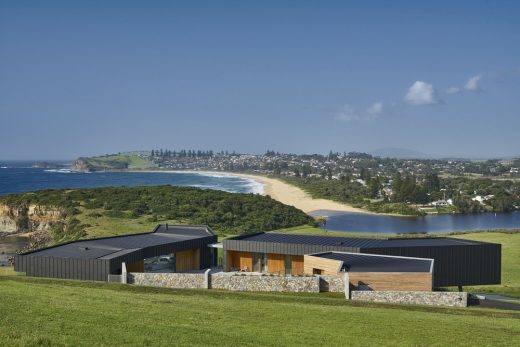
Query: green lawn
510	262
131	161
44	312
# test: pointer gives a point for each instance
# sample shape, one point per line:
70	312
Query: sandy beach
287	194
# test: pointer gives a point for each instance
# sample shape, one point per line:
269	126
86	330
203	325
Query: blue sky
84	78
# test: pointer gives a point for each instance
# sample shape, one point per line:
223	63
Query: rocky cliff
28	217
80	165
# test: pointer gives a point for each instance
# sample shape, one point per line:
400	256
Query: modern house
184	247
404	264
456	262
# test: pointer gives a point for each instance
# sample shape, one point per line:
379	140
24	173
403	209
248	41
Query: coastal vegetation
50	312
410	195
101	211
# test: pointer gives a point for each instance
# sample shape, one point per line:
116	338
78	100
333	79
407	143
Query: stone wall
334	284
458	299
169	280
266	283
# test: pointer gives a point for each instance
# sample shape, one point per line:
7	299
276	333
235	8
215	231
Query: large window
257	259
288	264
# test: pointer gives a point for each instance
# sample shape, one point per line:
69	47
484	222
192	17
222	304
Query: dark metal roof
356	242
358	262
110	247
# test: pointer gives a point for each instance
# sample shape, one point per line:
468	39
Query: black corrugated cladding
71	268
97	269
281	248
457	263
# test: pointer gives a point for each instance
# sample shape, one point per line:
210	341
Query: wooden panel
276	264
246	261
230	260
329	267
187	260
297	265
239	261
400	281
138	266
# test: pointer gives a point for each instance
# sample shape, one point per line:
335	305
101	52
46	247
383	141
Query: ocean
18	177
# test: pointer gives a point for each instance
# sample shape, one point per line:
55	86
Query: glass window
257	265
288	264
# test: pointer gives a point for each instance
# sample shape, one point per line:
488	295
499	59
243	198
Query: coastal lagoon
444	223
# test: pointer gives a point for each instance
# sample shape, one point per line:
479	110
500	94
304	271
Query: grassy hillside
510	261
509	239
47	312
122	161
117	210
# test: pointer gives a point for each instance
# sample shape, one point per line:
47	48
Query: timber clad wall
396	281
243	261
187	260
239	261
276	263
297	265
328	267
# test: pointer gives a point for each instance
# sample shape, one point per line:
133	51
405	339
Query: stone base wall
168	280
114	278
334	284
296	284
457	299
259	283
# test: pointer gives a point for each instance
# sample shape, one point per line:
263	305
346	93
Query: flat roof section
356	242
110	247
359	262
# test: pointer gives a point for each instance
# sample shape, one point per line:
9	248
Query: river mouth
431	224
9	244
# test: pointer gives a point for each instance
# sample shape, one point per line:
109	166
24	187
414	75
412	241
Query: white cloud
375	109
453	90
421	93
473	83
347	114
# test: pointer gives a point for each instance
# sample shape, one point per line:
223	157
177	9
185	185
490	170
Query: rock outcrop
28	218
80	165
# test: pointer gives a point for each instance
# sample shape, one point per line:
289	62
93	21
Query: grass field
130	161
44	312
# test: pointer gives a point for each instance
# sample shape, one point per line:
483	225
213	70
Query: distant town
384	185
